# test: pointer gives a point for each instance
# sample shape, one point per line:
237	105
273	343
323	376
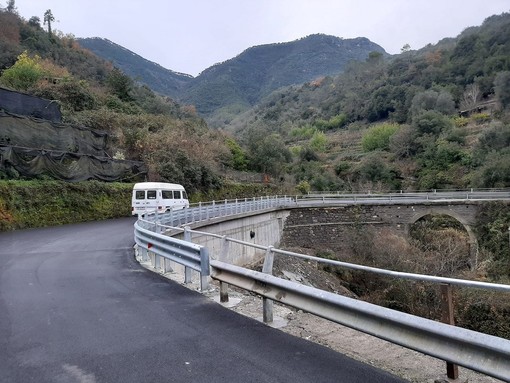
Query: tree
470	97
120	84
35	22
430	100
502	88
269	154
238	160
48	19
11	7
24	74
378	137
405	48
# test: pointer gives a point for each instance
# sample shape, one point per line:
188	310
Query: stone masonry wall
333	228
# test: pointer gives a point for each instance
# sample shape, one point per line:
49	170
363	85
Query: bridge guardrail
400	197
477	351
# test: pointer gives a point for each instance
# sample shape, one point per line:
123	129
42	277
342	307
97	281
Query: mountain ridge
240	82
154	75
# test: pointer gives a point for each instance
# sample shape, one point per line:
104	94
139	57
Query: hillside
225	89
242	81
156	77
433	118
171	140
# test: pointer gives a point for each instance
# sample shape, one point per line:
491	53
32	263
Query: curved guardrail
480	352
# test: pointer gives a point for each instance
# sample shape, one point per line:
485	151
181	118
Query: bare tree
470	97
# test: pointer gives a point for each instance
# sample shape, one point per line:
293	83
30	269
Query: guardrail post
267	304
223	292
157	261
225	246
205	269
187	270
145	254
167	266
452	370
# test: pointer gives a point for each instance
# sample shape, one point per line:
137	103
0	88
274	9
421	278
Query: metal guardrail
186	253
408	197
204	211
480	352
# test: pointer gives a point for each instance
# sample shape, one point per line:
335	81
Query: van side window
140	194
167	194
151	194
184	195
177	194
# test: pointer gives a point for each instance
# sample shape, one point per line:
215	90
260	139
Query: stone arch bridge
329	226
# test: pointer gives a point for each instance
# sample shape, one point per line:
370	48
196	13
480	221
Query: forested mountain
225	89
156	77
236	84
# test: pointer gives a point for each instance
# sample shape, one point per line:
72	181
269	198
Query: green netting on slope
31	163
29	132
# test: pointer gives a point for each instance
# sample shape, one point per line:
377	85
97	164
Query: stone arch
473	242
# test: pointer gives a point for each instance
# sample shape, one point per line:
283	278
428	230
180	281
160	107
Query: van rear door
145	200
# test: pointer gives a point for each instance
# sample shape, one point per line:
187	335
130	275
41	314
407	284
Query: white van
149	196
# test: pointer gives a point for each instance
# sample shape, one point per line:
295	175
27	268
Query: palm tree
48	18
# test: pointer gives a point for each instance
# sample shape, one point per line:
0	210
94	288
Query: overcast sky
189	36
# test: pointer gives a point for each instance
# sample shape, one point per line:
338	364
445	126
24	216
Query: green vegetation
26	204
378	137
407	108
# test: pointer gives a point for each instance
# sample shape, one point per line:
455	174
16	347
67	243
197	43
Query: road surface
76	307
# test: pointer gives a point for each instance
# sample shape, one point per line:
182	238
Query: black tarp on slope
31	163
16	130
26	105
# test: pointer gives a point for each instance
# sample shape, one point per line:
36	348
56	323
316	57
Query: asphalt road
76	307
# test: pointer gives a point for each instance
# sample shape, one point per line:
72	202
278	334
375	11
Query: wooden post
452	370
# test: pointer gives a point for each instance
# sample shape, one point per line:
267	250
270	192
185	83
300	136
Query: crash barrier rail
204	211
409	197
457	346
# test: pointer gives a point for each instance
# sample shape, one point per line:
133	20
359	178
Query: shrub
24	74
378	137
481	118
26	204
